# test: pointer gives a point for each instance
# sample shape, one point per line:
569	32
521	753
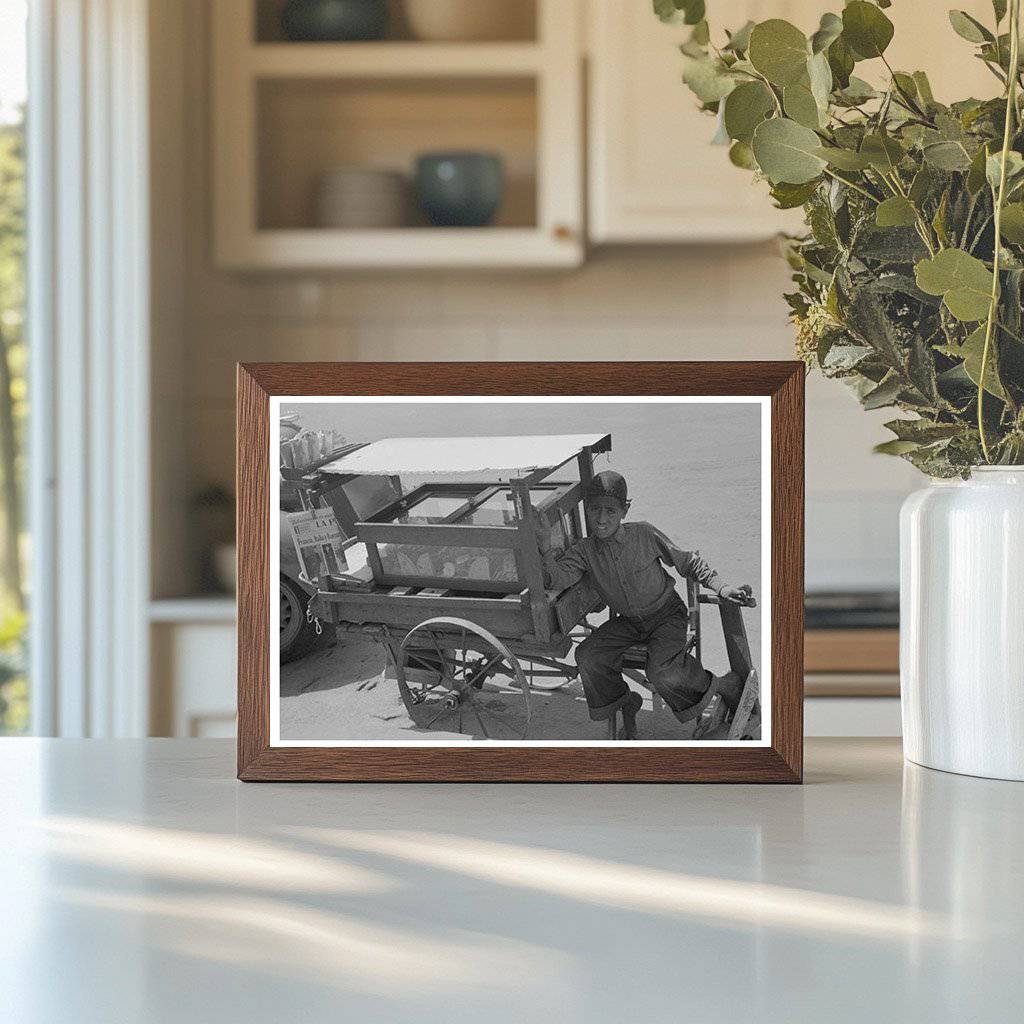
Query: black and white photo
520	571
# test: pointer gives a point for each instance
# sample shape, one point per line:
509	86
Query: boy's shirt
627	568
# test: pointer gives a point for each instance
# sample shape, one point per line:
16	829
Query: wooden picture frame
778	759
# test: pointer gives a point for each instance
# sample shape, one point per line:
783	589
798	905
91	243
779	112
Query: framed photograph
551	572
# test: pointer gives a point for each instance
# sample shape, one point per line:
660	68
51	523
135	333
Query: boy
624	563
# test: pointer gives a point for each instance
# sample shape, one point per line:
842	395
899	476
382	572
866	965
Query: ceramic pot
962	624
470	20
332	21
358	197
460	189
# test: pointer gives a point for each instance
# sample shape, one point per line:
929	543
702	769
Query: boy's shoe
712	723
730	688
629	710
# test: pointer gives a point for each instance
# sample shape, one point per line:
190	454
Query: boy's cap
607	484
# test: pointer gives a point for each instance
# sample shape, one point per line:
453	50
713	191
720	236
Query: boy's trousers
681	681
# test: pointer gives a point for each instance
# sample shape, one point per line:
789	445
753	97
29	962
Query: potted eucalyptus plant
909	288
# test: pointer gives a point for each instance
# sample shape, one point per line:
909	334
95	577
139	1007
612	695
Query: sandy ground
343	690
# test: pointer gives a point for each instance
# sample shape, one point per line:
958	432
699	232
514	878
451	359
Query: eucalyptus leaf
921	370
969	28
841	62
905	84
868	319
922	430
883	152
947	156
721	136
883	395
693	10
1012	223
745	108
922	185
889	246
801	106
924	88
866	29
993	167
972	351
701	34
963	281
843	358
900	283
895	447
829	30
741	155
844	159
788	196
895	212
739	41
976	173
786	151
819	75
666	10
779	51
707	78
690	12
857	91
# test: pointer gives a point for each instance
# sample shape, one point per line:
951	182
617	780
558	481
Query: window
14	695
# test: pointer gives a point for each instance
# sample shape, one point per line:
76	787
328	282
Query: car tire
298	636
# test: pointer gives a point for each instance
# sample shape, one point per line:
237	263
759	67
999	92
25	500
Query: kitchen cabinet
287	114
654	177
193	677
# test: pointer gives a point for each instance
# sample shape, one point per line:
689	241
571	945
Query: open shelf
202	608
406	248
393	60
309	127
287	114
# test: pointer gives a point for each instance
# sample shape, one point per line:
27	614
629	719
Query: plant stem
907	99
853	185
1011	107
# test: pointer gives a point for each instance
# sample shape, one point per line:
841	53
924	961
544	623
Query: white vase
962	624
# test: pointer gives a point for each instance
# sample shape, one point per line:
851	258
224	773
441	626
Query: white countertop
140	882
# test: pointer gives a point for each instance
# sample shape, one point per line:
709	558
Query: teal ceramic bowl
334	21
460	189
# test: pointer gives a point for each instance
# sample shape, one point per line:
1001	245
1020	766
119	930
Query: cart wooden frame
410	612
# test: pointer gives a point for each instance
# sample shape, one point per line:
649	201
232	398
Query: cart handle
748	602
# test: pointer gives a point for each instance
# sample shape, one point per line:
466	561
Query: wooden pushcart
445	571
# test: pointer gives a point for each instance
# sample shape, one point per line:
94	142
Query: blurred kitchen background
291	217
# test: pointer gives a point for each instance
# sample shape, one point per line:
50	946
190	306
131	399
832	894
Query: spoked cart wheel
455	675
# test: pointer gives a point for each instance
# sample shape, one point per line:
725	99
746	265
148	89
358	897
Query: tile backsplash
709	303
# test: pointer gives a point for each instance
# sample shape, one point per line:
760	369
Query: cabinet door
654	176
